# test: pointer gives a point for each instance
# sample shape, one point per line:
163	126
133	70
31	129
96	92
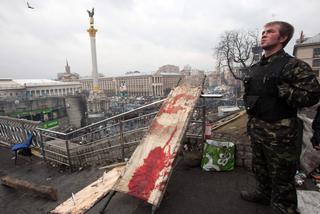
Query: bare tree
235	49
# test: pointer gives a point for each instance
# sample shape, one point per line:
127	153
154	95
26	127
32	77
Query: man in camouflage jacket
274	89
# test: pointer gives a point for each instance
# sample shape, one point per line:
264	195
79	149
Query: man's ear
283	39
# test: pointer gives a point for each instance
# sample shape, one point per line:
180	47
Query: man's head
276	35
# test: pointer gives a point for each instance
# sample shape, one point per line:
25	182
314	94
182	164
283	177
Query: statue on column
91	13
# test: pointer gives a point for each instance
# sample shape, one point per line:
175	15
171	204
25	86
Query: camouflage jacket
299	85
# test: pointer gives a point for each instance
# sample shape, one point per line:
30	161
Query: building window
316	72
316	63
316	53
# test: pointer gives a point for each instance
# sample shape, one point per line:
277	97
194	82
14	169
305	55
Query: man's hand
284	90
315	142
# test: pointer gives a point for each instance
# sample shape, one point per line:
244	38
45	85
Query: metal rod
211	95
68	153
121	140
42	147
203	121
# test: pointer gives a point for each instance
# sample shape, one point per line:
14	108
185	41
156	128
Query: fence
107	141
14	131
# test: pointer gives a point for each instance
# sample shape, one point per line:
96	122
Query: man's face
270	37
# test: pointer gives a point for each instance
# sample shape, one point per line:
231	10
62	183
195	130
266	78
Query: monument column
92	33
97	103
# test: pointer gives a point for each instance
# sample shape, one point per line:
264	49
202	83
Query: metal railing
13	130
111	140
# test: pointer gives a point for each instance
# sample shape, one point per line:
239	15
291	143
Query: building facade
308	50
40	100
136	84
18	89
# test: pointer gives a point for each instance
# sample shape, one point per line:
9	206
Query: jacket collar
266	60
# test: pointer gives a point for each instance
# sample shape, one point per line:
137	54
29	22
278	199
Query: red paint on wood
171	107
156	126
144	178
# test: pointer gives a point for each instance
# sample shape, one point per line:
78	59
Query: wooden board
227	120
42	190
148	170
86	198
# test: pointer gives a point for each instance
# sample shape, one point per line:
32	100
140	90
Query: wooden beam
86	198
42	190
111	166
227	120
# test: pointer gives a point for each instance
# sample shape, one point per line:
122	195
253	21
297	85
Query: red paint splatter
171	136
171	106
179	96
144	178
156	126
159	129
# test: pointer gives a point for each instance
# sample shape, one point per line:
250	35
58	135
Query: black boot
255	197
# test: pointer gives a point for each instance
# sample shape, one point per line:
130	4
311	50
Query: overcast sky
132	34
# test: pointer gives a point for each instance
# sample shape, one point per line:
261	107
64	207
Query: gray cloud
132	34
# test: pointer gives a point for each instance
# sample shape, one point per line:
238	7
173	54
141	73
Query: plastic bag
218	156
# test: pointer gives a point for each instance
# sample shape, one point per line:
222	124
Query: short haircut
286	29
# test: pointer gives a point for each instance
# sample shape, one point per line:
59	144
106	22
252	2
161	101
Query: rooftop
190	189
41	82
10	84
309	41
22	83
312	40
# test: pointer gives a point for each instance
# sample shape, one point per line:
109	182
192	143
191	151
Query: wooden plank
148	170
227	120
86	198
42	190
111	166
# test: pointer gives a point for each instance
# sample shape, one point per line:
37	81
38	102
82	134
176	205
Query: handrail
66	135
51	131
114	133
119	115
